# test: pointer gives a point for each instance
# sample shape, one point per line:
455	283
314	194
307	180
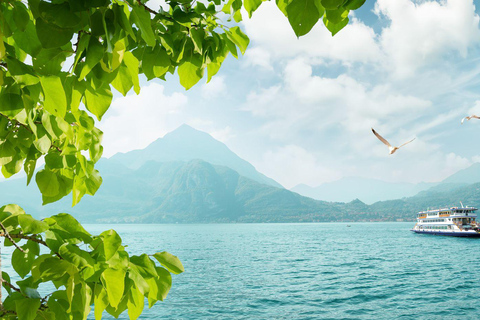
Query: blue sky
300	110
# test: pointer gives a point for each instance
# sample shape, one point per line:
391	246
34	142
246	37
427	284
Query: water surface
306	271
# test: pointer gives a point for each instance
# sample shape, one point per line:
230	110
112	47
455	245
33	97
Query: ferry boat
455	221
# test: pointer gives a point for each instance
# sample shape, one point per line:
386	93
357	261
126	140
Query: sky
301	110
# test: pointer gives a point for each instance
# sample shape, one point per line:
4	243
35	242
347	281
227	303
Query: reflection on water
305	271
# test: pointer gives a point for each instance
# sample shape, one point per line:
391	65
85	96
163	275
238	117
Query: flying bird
390	148
470	117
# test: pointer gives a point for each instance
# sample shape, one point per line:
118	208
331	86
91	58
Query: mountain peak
186	143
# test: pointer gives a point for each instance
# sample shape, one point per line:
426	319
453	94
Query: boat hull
451	234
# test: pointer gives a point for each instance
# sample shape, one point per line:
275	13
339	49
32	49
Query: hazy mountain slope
193	191
407	208
185	144
367	190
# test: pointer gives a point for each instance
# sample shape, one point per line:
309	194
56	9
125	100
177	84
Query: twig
17	123
11	286
32	238
147	8
7	235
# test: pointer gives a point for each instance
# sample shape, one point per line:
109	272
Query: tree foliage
59	61
85	270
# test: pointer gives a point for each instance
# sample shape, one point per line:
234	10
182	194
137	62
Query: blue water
312	271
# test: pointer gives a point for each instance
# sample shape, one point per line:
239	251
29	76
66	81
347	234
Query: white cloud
214	88
355	43
303	167
421	33
258	57
133	122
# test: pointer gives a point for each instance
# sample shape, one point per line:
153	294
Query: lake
311	271
305	271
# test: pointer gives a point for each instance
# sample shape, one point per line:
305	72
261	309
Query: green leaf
282	5
156	62
335	27
21	16
190	72
100	301
93	182
58	13
212	70
141	18
75	255
30	163
332	4
30	225
132	64
7	152
144	265
353	4
22	262
10	103
251	6
95	53
117	54
239	38
68	227
51	35
22	73
27	308
98	100
47	182
55	99
337	15
113	281
135	303
169	261
46	268
303	15
43	142
197	36
159	286
111	243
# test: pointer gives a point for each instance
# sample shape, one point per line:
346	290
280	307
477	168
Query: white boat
455	221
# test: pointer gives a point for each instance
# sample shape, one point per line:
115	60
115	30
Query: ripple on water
312	271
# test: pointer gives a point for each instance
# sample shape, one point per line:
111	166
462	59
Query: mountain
185	144
367	190
466	176
457	180
199	192
406	208
183	192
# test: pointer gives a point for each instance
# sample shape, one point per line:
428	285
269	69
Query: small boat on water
455	221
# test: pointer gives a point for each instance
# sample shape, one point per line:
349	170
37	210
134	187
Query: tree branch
9	237
32	238
147	8
11	286
17	123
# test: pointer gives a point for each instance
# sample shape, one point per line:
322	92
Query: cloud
258	57
304	101
422	33
133	122
214	88
276	38
303	167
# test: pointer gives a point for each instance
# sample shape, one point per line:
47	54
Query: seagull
390	148
472	116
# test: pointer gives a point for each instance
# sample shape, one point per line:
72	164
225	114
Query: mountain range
202	181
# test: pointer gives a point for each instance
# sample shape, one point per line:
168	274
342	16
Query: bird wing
381	138
463	120
474	116
406	143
